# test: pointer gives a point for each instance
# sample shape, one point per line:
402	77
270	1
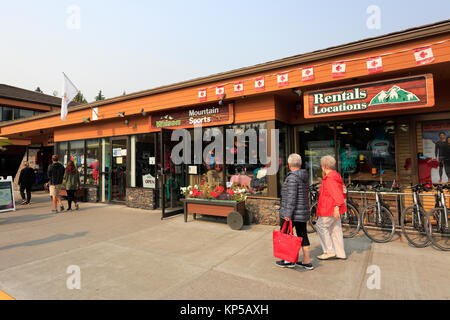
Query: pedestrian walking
27	178
295	207
55	174
329	209
71	183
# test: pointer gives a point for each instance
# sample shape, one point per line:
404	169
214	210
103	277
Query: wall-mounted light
222	100
297	91
121	114
86	120
144	113
126	121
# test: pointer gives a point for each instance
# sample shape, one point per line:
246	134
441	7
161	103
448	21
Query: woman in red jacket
329	209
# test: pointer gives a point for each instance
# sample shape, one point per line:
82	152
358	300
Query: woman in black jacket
27	178
295	207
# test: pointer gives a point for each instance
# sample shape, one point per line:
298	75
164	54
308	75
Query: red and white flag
307	74
374	64
259	84
283	79
202	94
220	91
424	55
338	69
239	87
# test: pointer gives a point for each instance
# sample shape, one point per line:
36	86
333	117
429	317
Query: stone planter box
234	211
141	198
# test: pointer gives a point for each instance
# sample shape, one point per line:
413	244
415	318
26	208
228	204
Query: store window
146	162
313	142
63	152
366	151
284	151
77	156
251	176
93	161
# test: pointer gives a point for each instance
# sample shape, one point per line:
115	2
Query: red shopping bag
286	245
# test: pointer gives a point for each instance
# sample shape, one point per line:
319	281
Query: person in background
329	209
27	178
55	174
295	207
71	183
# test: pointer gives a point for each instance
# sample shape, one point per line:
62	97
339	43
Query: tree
100	96
79	98
38	90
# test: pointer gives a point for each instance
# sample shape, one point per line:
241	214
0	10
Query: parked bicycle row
420	228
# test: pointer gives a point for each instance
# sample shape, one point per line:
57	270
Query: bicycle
414	220
438	220
313	200
377	220
350	220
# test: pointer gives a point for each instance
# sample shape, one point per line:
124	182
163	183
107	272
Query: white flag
69	92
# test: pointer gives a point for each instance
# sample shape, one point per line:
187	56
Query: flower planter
234	211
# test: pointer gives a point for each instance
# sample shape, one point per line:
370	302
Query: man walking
329	209
55	174
27	178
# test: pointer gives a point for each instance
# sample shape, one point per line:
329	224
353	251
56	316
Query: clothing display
241	179
425	166
348	156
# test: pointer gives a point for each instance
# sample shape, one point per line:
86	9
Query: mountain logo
393	95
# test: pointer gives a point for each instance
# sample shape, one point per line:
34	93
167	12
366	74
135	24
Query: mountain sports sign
386	95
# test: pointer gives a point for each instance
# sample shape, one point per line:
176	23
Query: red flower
201	183
214	194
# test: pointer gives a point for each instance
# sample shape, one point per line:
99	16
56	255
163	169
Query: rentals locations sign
190	117
387	95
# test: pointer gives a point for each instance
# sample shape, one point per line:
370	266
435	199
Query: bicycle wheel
311	228
438	230
414	226
378	225
350	221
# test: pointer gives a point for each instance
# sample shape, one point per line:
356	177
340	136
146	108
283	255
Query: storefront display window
313	142
252	177
93	161
434	158
62	152
77	156
366	151
284	152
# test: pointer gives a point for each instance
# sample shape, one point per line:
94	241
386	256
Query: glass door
118	173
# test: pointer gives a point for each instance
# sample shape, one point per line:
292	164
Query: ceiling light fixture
297	91
86	120
144	113
121	114
222	100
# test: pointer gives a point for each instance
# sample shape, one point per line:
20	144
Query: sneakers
307	266
326	256
24	201
69	209
61	207
285	264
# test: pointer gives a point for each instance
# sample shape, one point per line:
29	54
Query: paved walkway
126	253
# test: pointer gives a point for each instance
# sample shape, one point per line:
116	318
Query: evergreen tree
38	90
79	98
100	96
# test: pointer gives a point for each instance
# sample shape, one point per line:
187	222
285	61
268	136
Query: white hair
328	162
295	160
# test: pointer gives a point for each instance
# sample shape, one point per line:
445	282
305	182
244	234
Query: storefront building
378	105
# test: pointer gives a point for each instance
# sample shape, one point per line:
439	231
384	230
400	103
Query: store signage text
190	117
395	94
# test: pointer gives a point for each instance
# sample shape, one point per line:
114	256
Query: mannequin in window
348	155
442	153
213	169
380	149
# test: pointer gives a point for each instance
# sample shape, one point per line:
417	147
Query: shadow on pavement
57	237
24	218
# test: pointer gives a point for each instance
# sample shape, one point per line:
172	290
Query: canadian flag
220	91
424	55
374	64
239	87
338	69
307	74
259	84
202	94
282	79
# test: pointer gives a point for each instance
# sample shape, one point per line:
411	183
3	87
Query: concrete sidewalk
126	253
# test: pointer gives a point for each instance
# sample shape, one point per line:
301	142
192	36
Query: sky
134	45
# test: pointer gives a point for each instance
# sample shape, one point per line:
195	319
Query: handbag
285	245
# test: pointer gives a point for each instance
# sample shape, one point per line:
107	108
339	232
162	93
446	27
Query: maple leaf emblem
374	63
338	68
423	54
308	71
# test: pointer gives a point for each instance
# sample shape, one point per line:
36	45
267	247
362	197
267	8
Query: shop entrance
118	174
172	177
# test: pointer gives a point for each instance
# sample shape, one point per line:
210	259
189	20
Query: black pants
26	188
71	197
300	230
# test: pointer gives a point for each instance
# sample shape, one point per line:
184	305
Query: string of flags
422	55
